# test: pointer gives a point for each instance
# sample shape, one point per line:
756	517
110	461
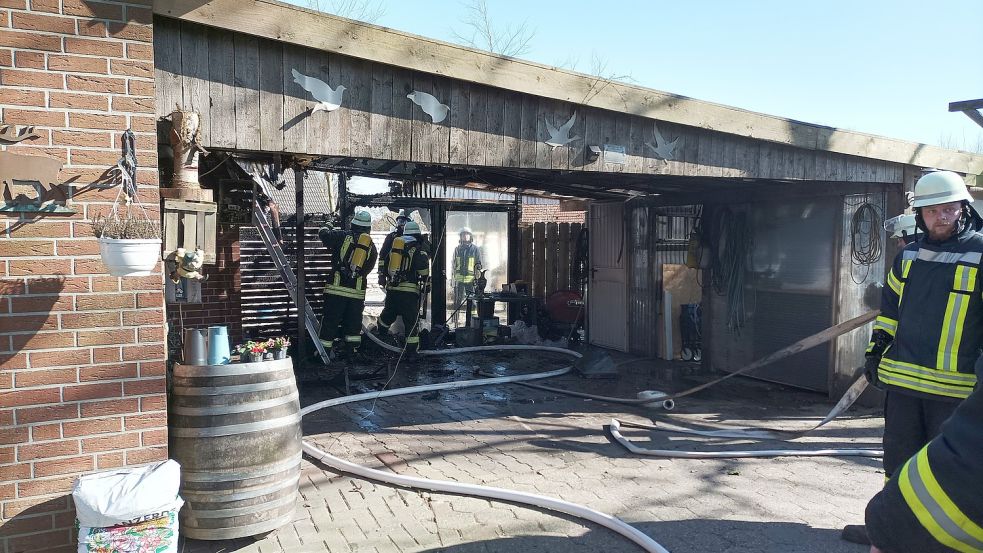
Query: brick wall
82	377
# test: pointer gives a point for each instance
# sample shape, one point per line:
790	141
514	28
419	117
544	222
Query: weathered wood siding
243	88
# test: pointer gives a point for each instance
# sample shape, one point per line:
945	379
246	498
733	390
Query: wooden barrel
235	430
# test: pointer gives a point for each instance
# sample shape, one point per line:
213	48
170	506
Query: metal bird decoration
561	136
430	105
664	150
329	99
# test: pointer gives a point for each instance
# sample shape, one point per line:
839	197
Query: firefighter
903	228
408	270
930	330
933	503
352	257
387	246
466	265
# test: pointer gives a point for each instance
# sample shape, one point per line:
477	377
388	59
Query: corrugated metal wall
657	236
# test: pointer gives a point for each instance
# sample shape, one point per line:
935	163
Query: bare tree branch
511	41
603	79
368	11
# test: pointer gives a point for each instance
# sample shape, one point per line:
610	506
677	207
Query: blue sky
886	67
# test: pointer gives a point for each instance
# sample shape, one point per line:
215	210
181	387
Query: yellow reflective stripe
413	340
934	509
965	278
886	324
918	385
328	344
947	358
406	287
905	269
344	291
918	371
353	339
470	264
893	282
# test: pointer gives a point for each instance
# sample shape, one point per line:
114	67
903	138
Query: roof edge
279	21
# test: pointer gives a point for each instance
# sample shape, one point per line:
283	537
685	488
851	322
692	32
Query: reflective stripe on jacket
932	306
342	281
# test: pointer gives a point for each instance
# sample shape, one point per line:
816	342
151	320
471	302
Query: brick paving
535	441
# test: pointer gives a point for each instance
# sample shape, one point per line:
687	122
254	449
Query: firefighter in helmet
930	330
387	246
466	265
352	257
407	270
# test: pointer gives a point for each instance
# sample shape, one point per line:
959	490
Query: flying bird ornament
561	136
430	105
329	99
663	149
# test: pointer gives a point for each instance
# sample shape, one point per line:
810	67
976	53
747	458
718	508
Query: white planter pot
130	256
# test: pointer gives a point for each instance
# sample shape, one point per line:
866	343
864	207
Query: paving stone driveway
535	441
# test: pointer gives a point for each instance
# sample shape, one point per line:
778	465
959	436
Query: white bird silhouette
561	136
430	105
662	148
328	99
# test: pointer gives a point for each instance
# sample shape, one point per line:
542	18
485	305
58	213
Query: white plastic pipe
473	349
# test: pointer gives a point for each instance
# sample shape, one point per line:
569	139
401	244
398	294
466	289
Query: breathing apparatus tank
360	253
400	257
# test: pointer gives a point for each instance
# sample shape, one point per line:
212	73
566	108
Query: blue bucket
218	345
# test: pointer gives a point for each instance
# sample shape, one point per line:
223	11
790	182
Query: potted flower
129	246
243	351
256	351
279	346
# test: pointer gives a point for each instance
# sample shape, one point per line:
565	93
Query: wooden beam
287	23
975	116
966	104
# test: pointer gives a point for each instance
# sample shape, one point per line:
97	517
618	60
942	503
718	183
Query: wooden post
563	261
527	249
552	269
299	303
575	229
539	260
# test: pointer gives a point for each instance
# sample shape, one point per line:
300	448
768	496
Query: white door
607	292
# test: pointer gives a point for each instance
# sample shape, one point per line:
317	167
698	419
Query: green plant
278	343
128	227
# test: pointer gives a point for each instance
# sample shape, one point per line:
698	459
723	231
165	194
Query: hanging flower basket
130	256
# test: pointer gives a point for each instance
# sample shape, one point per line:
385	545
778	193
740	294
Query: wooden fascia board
300	26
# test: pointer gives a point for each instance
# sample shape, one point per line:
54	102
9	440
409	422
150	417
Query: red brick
110	48
42	230
151	282
31	415
15	361
153	437
109	460
42	117
45	432
26	322
53	286
144	387
143	317
46	377
139	353
110	407
46	23
79	138
78	247
110	442
94	157
29	60
90	320
92	83
27	525
107	372
66	358
150	299
15	4
92	28
6	383
90	427
133	105
139	51
153	368
147	455
46	486
77	64
143	422
105	284
21	97
132	68
93	391
150	334
104	301
78	101
31	41
6	58
153	403
107	355
50	6
35	268
23	248
47	450
6	455
131	31
140	88
13	436
96	121
89	267
72	465
11	287
95	10
9	473
19	398
145	124
7	491
37	506
43	340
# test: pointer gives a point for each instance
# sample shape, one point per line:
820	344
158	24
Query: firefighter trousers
344	314
407	306
910	422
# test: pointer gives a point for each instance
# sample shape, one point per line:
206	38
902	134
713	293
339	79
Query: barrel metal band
235	475
218	495
235	408
237	389
232	429
198	512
